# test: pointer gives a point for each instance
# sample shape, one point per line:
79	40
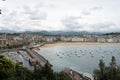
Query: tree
112	69
111	72
63	76
101	73
23	73
12	71
7	68
102	67
0	9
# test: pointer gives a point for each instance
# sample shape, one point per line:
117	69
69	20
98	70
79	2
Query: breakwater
37	59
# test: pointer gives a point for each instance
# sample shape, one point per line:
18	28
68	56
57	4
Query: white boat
102	56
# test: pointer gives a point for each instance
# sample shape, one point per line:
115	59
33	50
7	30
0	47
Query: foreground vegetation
11	71
111	72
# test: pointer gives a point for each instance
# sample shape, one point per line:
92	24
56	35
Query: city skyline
65	15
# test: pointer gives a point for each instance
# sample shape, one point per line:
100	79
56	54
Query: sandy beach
76	43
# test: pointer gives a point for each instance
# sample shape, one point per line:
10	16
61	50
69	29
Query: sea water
83	58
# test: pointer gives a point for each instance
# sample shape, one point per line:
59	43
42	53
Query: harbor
26	57
29	57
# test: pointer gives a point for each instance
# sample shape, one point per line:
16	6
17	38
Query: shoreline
48	45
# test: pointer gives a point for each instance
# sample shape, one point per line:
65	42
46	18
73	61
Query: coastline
47	45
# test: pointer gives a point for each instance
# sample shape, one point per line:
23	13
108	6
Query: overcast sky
67	15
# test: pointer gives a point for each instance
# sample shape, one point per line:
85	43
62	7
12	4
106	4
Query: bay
83	58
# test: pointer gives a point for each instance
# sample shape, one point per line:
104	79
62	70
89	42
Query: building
91	39
77	39
3	42
101	40
87	35
112	40
50	39
66	39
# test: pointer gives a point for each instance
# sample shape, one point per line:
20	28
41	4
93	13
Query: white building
102	40
112	40
77	39
17	38
50	39
66	39
91	39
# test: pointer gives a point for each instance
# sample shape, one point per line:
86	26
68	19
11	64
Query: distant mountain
66	33
112	33
74	33
97	33
38	32
6	31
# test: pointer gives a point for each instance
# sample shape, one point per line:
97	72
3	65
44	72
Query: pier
37	58
34	57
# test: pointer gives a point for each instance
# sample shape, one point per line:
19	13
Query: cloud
103	25
11	19
46	14
96	8
45	5
100	27
34	14
90	10
38	16
74	17
39	5
27	10
86	12
71	23
26	19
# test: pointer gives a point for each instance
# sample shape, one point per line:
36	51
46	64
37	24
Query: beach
75	43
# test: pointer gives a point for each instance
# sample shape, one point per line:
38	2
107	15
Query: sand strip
76	43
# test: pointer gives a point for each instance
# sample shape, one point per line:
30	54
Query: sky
56	15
